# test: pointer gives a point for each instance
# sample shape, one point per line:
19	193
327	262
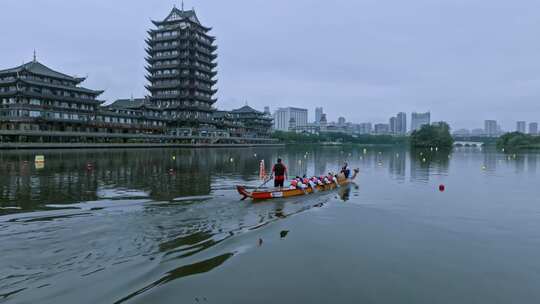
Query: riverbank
30	146
334	139
518	141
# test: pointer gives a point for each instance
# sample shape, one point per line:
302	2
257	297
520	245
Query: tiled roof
38	68
246	109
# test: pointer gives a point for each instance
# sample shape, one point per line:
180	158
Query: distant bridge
462	143
484	139
474	141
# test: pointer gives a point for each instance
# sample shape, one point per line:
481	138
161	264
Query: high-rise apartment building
382	128
318	114
393	125
533	128
401	124
282	118
490	128
419	119
365	128
520	126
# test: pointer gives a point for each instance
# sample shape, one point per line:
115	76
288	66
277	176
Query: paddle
265	182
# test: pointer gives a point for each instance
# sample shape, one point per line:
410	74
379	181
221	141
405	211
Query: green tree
436	135
518	140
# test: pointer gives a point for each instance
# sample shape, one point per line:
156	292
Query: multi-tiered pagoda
181	69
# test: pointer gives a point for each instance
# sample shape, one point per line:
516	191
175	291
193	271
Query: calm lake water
167	226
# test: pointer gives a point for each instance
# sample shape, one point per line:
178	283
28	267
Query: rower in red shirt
279	171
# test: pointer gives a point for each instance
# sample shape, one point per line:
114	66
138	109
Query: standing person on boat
279	172
345	170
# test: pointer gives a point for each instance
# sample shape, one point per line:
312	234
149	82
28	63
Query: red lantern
441	187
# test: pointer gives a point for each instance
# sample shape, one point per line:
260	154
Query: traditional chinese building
35	97
224	121
181	70
257	124
39	104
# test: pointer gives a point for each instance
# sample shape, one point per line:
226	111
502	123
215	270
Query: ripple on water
122	232
181	272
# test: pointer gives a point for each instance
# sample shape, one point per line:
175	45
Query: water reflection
490	162
397	164
532	160
345	192
77	176
424	162
519	162
72	177
183	271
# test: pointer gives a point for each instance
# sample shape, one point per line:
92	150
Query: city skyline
111	51
402	116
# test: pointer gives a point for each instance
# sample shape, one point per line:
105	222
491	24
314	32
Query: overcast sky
463	60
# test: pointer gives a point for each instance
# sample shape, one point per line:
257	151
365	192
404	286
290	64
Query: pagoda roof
246	109
178	15
35	67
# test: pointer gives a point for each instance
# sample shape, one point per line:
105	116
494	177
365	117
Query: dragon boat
265	194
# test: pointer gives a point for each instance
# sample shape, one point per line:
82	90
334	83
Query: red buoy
441	187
